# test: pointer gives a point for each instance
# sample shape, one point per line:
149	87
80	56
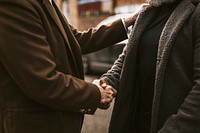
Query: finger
144	5
103	80
114	92
108	99
103	85
111	90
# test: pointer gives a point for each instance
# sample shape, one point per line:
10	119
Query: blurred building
83	14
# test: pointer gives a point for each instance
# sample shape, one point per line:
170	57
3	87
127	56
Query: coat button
82	110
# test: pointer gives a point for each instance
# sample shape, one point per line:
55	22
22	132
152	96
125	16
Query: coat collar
56	19
53	15
177	19
172	27
175	22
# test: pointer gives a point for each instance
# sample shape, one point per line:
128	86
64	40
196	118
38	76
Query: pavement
97	123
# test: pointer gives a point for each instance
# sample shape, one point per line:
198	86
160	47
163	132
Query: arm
105	35
98	38
113	75
26	54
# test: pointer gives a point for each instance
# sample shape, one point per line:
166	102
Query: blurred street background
83	14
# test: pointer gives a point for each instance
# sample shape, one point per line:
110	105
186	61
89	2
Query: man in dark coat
158	74
41	72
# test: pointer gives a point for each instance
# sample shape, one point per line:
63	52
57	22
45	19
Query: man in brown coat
41	73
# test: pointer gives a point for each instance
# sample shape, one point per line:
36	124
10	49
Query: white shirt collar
50	1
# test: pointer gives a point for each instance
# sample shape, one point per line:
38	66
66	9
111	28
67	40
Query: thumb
103	83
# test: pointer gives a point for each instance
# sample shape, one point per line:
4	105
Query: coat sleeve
187	118
25	53
113	75
98	38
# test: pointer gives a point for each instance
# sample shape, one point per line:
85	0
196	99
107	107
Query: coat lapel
131	55
53	13
143	20
56	19
177	19
172	27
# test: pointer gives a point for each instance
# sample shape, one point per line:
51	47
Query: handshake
107	93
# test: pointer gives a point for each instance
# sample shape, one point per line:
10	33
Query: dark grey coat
176	103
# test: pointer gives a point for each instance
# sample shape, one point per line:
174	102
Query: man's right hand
107	94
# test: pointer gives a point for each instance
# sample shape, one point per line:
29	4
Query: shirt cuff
126	28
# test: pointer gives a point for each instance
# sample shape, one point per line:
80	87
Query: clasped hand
107	93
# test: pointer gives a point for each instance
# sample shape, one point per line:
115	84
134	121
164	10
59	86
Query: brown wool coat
41	72
176	102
